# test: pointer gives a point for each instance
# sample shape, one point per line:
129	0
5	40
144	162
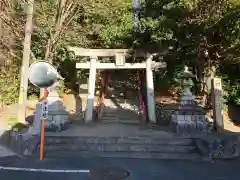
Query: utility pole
1	21
25	62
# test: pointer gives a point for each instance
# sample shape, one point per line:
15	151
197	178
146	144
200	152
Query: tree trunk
50	49
64	15
25	61
1	21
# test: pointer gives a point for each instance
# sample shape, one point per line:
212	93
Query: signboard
120	59
44	112
217	104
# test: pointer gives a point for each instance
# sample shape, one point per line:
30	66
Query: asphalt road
139	169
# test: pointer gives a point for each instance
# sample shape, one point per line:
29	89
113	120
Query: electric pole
1	21
25	62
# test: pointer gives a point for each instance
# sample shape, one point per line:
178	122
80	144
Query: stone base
191	119
218	147
190	128
57	121
56	128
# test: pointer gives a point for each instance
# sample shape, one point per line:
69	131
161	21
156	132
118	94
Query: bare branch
10	51
12	25
45	17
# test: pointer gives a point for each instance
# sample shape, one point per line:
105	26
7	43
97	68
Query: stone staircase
125	141
122	111
125	147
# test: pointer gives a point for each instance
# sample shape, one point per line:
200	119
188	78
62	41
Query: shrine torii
120	56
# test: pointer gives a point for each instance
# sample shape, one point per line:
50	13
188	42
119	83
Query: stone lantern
189	117
186	81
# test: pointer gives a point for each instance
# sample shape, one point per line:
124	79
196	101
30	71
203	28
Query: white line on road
43	170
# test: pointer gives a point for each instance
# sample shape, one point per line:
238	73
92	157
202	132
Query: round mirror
43	74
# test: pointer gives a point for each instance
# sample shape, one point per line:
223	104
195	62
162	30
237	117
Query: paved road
140	169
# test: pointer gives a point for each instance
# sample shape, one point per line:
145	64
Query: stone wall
163	113
218	147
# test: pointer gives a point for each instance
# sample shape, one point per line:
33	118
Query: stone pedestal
57	114
189	118
35	128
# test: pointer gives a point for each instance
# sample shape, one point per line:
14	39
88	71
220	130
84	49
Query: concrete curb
212	147
218	147
7	160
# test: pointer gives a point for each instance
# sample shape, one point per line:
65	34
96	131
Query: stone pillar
35	128
150	91
91	90
217	104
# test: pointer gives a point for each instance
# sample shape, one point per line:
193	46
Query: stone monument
217	104
57	114
189	118
35	128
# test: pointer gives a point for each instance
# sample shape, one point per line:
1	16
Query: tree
65	12
25	61
202	34
195	33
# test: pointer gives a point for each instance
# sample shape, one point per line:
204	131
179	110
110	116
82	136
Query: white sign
44	115
44	112
120	59
45	106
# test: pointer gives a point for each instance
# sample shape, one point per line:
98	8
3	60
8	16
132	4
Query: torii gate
120	55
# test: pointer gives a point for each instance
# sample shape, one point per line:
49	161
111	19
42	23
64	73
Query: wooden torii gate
120	56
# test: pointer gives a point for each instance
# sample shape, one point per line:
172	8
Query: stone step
121	121
137	155
104	118
58	140
122	148
116	113
110	117
122	105
121	99
119	118
134	122
120	111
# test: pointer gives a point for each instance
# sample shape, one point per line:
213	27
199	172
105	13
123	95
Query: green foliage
187	29
61	89
12	121
15	125
9	89
177	29
231	82
33	97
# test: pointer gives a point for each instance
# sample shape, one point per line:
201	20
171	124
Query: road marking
44	170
